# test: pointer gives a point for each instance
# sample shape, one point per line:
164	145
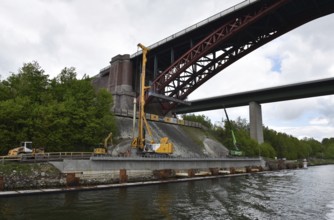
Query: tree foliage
327	150
204	120
61	114
249	146
276	144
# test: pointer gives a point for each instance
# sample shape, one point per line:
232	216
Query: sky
86	34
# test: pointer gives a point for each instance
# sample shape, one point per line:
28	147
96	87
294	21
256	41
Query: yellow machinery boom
165	147
104	149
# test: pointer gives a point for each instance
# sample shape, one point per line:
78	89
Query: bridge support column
120	81
255	119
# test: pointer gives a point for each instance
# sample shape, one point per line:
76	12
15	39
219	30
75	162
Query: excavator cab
100	150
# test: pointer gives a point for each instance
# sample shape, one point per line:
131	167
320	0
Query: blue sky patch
276	64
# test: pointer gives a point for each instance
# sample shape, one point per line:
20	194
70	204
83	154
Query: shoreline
14	193
58	184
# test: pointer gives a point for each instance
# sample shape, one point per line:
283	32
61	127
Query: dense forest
275	144
59	114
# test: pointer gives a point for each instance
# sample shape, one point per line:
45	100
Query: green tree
64	113
327	150
204	120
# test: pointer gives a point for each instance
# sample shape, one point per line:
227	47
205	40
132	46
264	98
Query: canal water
290	194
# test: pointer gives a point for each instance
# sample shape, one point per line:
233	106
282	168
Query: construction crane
236	151
164	147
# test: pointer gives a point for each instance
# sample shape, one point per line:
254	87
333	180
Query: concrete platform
139	163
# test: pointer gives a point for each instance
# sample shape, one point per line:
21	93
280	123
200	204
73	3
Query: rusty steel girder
211	55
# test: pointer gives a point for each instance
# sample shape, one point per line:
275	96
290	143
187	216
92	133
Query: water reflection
294	194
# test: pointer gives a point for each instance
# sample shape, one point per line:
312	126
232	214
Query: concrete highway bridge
182	62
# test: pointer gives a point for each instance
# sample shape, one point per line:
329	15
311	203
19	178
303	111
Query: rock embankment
23	176
188	141
14	176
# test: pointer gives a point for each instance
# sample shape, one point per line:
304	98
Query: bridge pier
255	121
118	80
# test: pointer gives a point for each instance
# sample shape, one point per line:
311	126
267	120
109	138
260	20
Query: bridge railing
59	156
170	157
152	117
197	25
44	157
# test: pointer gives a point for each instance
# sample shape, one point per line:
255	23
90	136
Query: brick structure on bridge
117	79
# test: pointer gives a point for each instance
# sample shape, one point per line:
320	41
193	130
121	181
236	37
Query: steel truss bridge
184	61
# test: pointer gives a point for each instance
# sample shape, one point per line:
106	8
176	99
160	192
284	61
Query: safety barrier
44	157
153	117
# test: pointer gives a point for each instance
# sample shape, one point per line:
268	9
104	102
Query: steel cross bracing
211	55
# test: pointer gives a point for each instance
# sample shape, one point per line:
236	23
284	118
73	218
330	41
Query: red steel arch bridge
184	61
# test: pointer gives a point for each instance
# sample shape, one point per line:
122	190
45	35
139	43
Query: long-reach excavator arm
236	151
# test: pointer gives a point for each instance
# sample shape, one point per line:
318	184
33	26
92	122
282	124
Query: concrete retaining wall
111	163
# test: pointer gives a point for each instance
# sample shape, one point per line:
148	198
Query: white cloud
319	121
86	34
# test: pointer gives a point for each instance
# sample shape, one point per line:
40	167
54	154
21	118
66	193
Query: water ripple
292	194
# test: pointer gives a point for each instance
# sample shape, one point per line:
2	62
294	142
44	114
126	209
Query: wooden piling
214	171
2	183
191	173
123	178
71	180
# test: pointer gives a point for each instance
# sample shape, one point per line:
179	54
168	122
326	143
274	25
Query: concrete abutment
118	80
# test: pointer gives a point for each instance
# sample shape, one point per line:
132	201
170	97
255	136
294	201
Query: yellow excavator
103	149
165	147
